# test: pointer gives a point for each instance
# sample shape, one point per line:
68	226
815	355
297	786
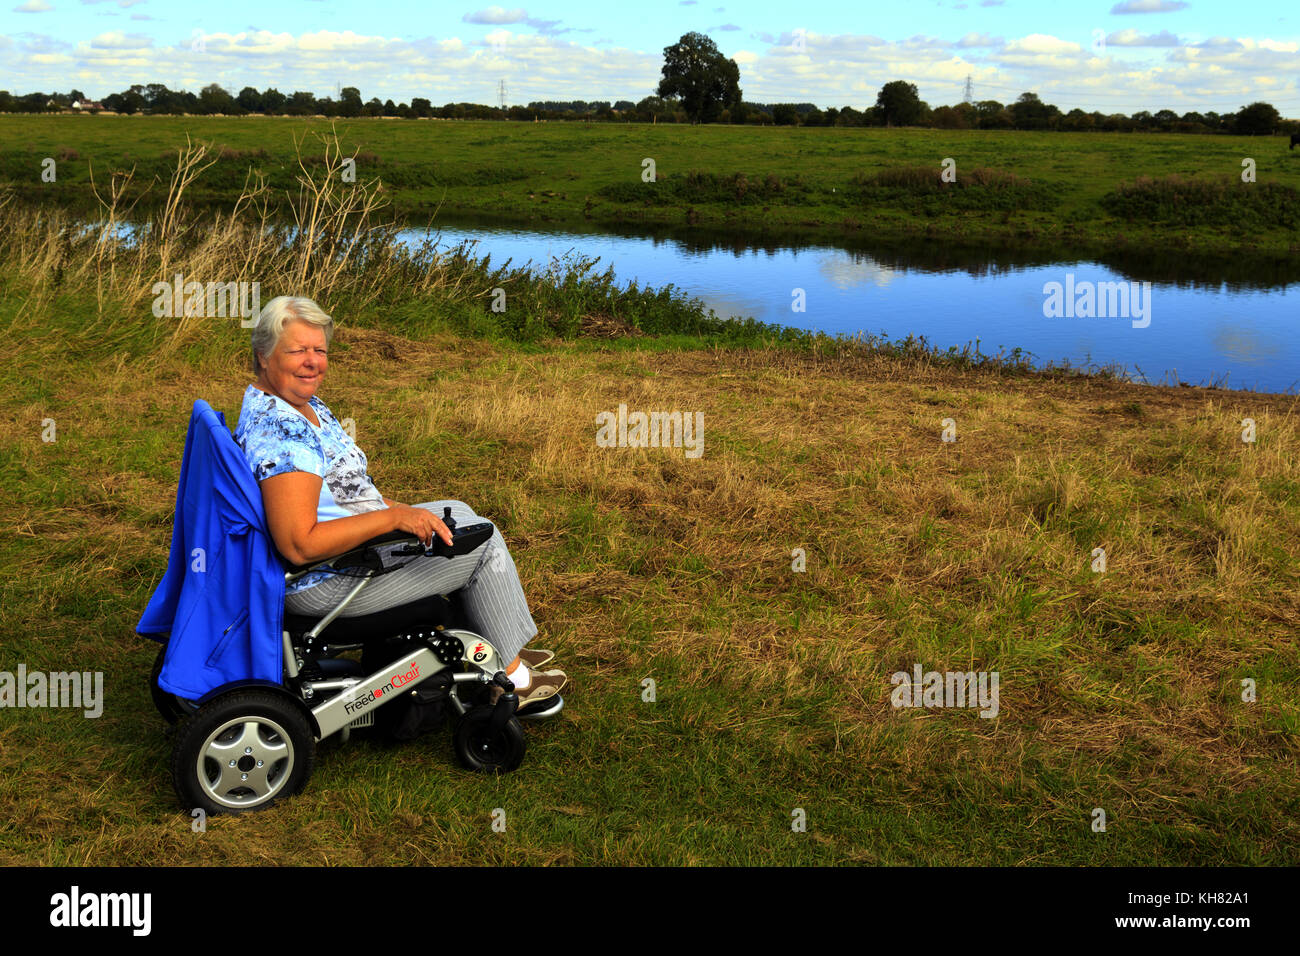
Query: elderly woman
320	502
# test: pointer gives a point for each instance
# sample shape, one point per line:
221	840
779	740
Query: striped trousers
486	578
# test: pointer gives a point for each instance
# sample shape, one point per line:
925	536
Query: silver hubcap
245	761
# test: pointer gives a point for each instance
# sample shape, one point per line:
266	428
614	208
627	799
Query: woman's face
296	365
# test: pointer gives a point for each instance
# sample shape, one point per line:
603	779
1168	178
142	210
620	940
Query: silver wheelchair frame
247	744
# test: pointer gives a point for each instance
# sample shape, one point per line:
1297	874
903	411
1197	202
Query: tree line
1027	113
698	85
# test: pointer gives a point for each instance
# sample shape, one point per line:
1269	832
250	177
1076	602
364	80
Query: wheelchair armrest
360	556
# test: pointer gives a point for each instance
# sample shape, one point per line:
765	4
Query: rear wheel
242	751
171	707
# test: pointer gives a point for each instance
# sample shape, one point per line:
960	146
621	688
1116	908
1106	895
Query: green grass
1120	691
1076	192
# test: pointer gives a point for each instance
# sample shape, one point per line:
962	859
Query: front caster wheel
485	750
242	751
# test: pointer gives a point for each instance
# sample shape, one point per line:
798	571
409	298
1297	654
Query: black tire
484	750
265	736
171	707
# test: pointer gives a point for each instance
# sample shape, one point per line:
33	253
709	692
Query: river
1168	323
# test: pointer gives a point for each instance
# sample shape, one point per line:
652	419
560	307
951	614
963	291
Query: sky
1116	57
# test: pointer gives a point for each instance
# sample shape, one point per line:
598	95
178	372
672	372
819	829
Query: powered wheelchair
245	745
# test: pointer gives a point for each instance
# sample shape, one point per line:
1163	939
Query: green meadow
1081	193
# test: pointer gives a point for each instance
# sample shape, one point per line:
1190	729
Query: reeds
1183	201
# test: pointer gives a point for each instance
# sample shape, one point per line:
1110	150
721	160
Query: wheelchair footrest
542	709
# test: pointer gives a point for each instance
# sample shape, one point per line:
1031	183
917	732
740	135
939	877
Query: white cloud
116	40
33	6
1133	38
1148	6
1040	44
496	15
1219	73
976	40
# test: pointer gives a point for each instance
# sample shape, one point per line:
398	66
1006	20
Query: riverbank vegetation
1080	193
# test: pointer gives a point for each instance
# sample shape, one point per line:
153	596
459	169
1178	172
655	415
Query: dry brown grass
916	550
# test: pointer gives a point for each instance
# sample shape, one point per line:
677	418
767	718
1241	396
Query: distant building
87	105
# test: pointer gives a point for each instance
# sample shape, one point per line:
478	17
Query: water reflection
1234	327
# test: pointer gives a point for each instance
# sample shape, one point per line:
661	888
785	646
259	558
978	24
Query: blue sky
1113	56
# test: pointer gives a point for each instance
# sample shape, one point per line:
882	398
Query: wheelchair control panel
463	540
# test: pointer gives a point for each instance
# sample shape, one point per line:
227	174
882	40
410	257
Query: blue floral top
277	438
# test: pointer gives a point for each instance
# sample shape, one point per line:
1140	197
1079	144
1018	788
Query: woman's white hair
278	313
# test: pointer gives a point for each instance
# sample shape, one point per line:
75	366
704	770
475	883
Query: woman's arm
290	500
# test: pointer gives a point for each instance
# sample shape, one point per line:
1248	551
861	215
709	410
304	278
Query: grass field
1119	690
1061	190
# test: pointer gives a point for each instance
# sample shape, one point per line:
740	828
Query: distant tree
705	81
784	114
948	117
129	101
1165	119
654	109
273	101
849	117
1077	121
1257	119
390	108
214	99
75	95
33	103
990	114
159	99
1029	112
421	107
301	103
350	101
899	104
250	100
373	107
